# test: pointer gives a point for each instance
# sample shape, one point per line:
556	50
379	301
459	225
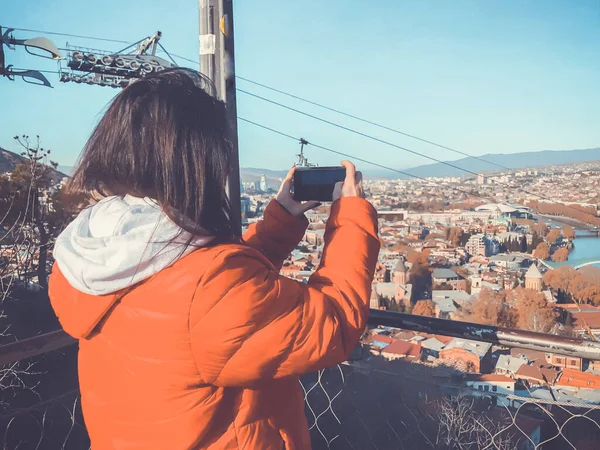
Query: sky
478	76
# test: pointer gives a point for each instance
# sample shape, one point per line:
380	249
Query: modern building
481	245
263	185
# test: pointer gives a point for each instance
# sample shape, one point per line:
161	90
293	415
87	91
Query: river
587	248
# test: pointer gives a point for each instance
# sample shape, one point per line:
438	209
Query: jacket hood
119	242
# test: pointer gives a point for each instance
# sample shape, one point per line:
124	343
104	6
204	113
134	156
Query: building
403	289
577	380
401	273
509	365
444	276
381	273
263	185
474	354
444	307
432	347
447	302
459	297
536	375
564	362
481	245
482	179
401	350
533	279
315	237
374	300
497	384
476	285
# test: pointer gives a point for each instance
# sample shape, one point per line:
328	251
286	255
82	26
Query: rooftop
457	296
478	348
576	379
501	207
537	373
509	363
444	273
445	304
400	266
403	348
433	344
491	378
533	272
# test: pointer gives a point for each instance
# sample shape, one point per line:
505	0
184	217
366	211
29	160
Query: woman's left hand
286	199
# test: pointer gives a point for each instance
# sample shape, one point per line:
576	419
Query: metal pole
507	337
217	62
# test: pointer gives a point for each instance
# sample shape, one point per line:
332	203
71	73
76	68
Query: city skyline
481	78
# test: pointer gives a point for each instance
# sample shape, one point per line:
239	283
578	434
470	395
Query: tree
420	273
464	424
573	285
540	228
568	232
553	236
424	308
542	251
454	235
560	255
492	308
535	314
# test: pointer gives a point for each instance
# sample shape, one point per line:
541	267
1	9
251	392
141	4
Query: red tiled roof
492	378
443	339
575	378
380	338
580	319
405	335
403	348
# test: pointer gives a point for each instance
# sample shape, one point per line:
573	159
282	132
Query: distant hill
250	175
68	170
10	160
512	161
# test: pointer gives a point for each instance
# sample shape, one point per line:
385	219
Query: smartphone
317	183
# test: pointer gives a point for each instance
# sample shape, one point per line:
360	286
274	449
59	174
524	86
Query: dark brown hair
165	137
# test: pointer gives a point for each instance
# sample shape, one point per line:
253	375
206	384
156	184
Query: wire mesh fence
39	403
370	405
401	405
53	424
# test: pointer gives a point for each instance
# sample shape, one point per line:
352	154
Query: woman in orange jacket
188	337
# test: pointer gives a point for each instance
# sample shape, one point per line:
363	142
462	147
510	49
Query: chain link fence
405	405
358	405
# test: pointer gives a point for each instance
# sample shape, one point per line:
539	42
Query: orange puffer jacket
206	354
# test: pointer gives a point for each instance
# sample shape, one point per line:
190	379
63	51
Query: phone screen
317	183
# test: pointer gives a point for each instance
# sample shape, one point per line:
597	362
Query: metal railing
377	404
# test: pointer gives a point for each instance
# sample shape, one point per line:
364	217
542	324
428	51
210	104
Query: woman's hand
286	199
351	186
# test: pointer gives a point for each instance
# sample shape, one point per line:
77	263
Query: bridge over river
575	263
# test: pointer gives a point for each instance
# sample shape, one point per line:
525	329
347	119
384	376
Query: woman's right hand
351	186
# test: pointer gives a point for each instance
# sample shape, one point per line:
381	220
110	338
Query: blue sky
479	76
